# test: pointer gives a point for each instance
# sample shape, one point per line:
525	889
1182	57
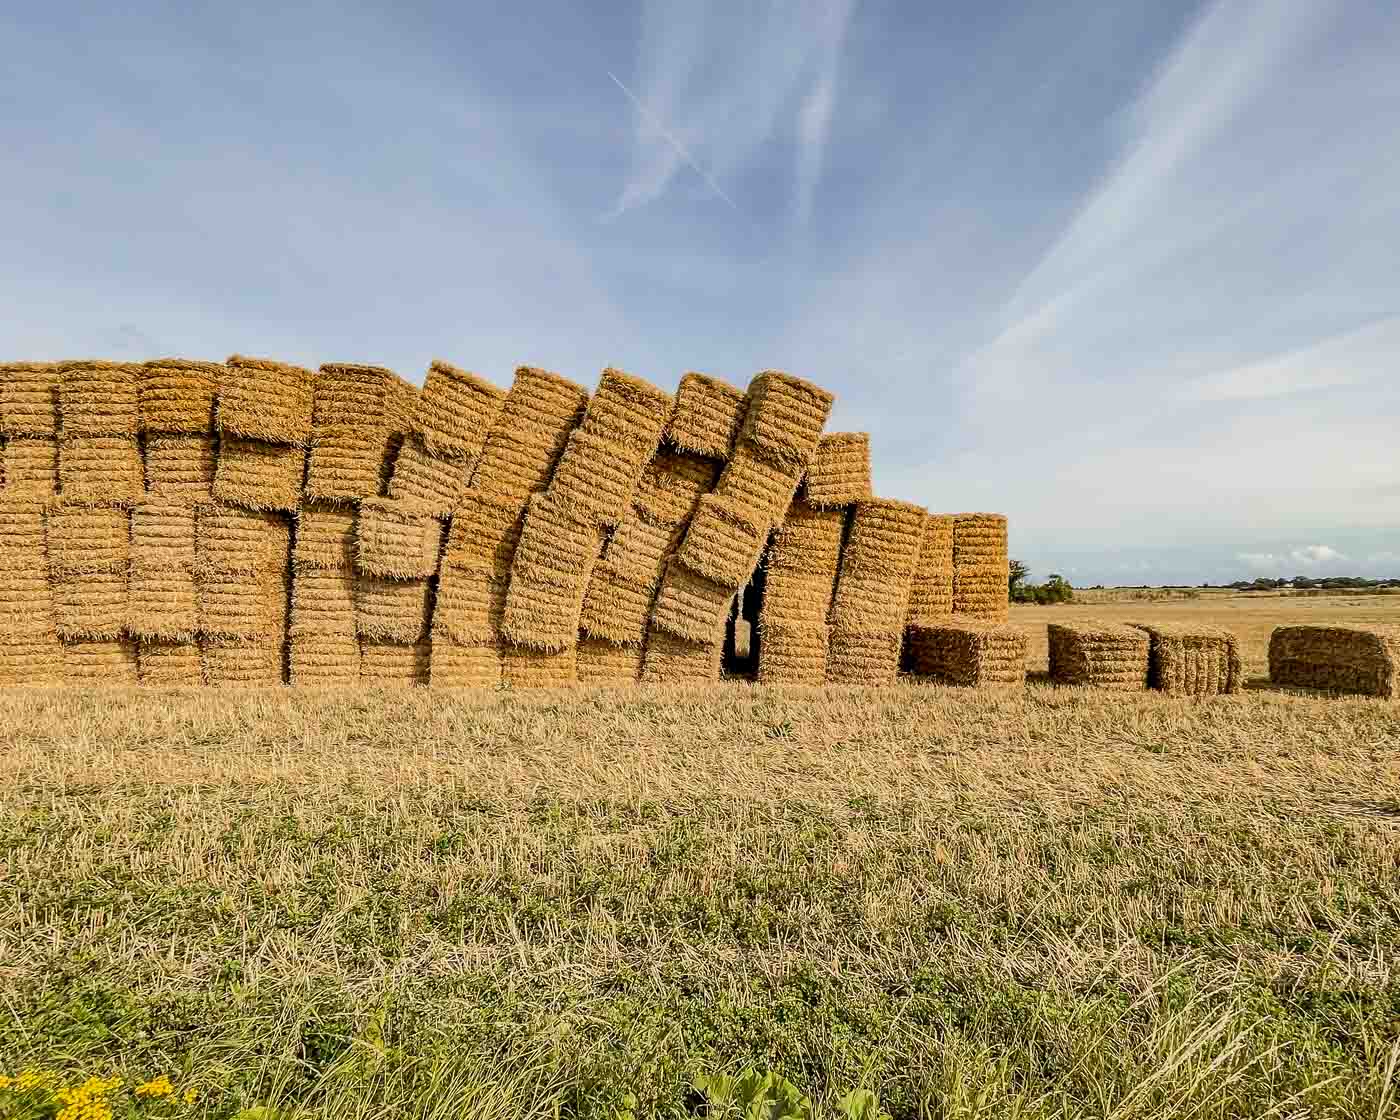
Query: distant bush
1056	589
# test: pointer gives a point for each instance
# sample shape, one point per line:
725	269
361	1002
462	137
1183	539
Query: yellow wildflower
191	1095
4	1081
160	1087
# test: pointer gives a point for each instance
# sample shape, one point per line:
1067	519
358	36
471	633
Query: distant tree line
1308	583
1055	589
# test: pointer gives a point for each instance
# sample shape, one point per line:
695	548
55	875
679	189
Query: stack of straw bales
1189	659
30	651
969	652
1098	654
802	565
872	592
565	527
931	596
177	400
517	461
29	426
782	423
1363	659
981	569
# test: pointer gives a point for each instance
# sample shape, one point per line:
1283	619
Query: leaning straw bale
784	418
638	548
100	662
724	542
792	654
931	596
862	657
456	412
177	396
266	401
628	413
324	660
522	667
616	607
464	664
352	430
181	466
100	399
877	567
394	664
84	539
325	537
394	540
765	489
541	616
169	664
969	652
603	663
471	605
839	474
258	475
30	465
484	534
596	478
392	610
1098	654
689	606
433	485
672	486
1360	659
809	540
668	659
980	566
29	400
1191	659
555	546
537	416
243	663
706	417
100	470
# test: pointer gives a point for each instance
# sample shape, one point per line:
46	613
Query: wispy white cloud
1308	558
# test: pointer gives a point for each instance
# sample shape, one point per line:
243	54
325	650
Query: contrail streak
680	148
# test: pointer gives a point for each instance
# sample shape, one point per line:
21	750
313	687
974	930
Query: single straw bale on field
556	547
792	654
85	539
258	475
969	652
91	606
705	419
396	540
542	616
181	466
523	667
668	659
169	664
325	537
485	533
597	478
456	411
350	432
267	401
162	535
231	539
100	399
392	610
100	470
1098	654
243	605
689	606
604	663
100	662
23	534
471	604
433	484
1191	659
539	412
724	543
29	400
784	418
839	474
243	662
323	603
931	596
809	541
862	657
323	660
395	665
464	664
628	412
671	487
638	549
615	607
1361	659
764	488
30	465
162	603
177	396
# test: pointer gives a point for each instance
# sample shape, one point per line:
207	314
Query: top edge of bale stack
99	399
706	417
358	420
524	444
266	400
29	399
839	474
456	410
784	417
178	395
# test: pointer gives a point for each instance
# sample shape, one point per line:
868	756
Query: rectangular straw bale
181	466
30	661
638	549
724	542
689	606
396	540
100	470
1099	655
764	488
884	537
1360	659
628	412
542	616
706	417
671	486
29	400
555	546
26	605
162	536
471	604
266	401
101	662
243	662
323	603
980	566
162	603
435	485
537	416
395	665
392	610
809	541
464	664
23	534
244	605
668	659
177	396
30	465
784	418
615	607
604	663
100	399
87	539
596	478
456	412
969	652
1191	659
523	667
231	539
169	664
862	657
325	537
258	475
839	474
485	533
351	424
792	654
91	606
931	596
796	598
317	660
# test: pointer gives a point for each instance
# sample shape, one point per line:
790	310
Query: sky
1125	270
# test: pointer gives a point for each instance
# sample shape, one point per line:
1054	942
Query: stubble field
1042	903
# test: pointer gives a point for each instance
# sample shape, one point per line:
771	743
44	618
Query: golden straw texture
969	652
181	467
258	475
669	659
325	537
839	474
97	399
689	606
1360	659
603	663
980	566
394	540
100	470
792	654
464	665
537	416
100	662
532	668
353	430
243	662
266	401
392	610
706	417
324	660
1192	659
394	665
166	664
456	412
1098	654
177	396
432	484
784	417
724	542
29	399
30	465
931	596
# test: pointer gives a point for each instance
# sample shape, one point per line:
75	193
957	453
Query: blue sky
1127	270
